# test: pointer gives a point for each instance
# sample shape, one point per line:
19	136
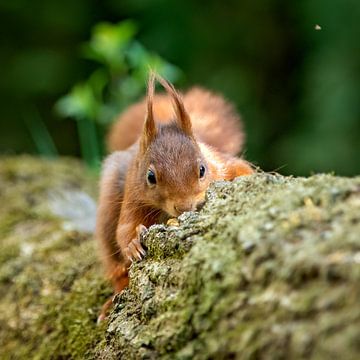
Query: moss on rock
50	284
270	268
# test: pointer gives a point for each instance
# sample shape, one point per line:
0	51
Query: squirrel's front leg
128	232
128	239
132	249
134	219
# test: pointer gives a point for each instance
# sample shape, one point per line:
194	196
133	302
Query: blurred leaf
137	54
130	88
107	113
165	69
108	43
142	61
80	103
98	80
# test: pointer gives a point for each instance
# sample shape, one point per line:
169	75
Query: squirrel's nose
200	205
183	208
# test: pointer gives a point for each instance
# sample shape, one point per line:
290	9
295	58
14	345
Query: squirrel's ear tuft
182	117
149	129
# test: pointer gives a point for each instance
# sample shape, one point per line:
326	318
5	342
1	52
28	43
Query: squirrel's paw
135	251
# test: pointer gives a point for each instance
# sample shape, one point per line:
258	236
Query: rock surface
51	286
269	269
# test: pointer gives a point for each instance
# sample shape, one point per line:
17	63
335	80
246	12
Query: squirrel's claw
142	251
134	250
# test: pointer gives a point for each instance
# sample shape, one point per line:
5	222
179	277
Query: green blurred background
297	87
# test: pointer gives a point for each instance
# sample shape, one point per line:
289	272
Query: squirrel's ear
149	129
182	117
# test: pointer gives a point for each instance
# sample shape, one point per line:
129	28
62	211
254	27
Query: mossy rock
269	269
51	286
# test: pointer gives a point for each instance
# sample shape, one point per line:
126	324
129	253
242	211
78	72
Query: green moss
269	269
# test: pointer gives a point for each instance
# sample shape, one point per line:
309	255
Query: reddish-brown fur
172	137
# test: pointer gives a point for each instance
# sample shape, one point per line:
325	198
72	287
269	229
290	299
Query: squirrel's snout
180	208
183	208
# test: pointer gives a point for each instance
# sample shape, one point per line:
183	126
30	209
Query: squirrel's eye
201	171
151	178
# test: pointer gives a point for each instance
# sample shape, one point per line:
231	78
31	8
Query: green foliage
119	79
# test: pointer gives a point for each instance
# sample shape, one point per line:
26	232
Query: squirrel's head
173	170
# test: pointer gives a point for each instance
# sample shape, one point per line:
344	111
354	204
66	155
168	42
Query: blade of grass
39	132
89	143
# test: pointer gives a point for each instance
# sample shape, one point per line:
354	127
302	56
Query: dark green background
297	88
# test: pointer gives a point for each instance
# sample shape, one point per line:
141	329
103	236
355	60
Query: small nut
173	222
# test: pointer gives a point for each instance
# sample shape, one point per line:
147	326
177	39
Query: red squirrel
161	167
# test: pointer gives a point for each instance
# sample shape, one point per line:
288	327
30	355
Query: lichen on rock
269	268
